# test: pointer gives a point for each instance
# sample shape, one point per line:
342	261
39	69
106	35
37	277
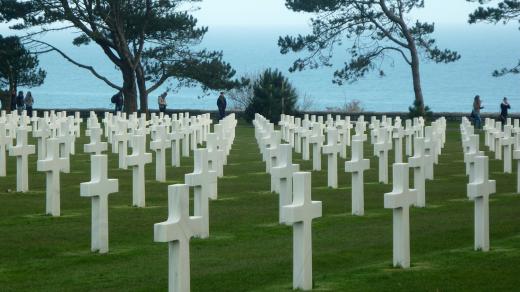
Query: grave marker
300	214
137	161
177	231
98	189
479	191
22	150
357	166
400	200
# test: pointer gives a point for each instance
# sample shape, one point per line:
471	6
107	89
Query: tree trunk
129	90
416	76
141	84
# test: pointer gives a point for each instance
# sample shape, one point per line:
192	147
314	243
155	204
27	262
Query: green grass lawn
247	249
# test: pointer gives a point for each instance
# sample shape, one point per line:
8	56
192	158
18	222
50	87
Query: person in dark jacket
504	107
221	104
13	100
475	113
118	100
29	101
20	104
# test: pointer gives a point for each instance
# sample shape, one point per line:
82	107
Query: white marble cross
331	150
177	230
357	166
176	137
409	135
497	139
306	136
159	145
397	136
479	191
53	164
400	200
215	162
121	140
200	179
272	150
300	214
430	146
345	139
96	146
5	141
381	148
22	150
316	140
297	135
516	156
418	164
507	142
98	188
471	154
41	133
77	124
283	173
137	161
71	136
215	154
185	129
65	138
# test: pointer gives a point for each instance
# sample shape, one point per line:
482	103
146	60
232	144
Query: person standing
162	102
504	107
118	100
29	101
475	114
20	102
13	100
221	104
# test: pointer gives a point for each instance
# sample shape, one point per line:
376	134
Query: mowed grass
247	249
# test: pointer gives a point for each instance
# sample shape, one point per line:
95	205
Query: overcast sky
273	13
261	13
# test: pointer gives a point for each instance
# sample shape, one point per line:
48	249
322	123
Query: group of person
118	101
22	102
477	106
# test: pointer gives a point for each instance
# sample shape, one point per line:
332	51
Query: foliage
415	112
151	42
242	96
273	95
305	104
18	68
377	30
505	11
354	106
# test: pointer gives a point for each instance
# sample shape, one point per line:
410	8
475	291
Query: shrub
273	95
414	111
354	106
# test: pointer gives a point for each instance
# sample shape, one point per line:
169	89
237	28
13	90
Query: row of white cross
480	187
427	142
56	132
180	227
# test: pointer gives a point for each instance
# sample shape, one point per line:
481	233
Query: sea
446	87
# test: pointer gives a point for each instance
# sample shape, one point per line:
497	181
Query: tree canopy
503	12
18	68
151	42
273	95
377	30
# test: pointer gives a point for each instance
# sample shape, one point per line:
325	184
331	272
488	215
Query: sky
268	13
273	13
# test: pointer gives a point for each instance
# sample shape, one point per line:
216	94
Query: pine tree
377	31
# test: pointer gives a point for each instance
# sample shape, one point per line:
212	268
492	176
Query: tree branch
89	68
